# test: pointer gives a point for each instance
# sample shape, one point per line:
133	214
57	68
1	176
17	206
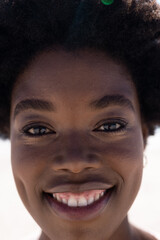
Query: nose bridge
76	144
77	154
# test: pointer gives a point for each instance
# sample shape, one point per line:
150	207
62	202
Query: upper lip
77	188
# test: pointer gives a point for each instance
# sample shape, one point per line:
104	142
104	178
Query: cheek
28	165
125	158
27	161
125	161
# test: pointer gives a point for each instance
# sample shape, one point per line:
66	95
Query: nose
76	156
76	163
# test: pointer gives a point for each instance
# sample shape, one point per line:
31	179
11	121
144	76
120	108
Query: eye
112	126
36	131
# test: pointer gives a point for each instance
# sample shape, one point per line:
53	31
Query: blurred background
16	223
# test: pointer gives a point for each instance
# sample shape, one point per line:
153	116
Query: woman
79	97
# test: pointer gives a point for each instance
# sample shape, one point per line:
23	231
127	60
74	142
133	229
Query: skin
73	150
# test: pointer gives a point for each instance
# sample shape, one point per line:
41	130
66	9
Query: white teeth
102	194
54	195
59	199
64	200
82	202
90	200
72	202
96	197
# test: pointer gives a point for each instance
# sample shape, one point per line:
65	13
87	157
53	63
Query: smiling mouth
79	199
79	206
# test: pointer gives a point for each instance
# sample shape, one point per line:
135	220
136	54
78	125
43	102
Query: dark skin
76	144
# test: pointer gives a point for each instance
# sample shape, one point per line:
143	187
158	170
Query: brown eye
110	127
36	131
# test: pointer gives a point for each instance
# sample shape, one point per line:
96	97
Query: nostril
91	156
59	159
76	162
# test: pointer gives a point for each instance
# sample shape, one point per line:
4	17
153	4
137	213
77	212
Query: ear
145	133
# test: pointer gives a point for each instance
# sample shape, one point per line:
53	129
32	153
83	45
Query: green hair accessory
107	2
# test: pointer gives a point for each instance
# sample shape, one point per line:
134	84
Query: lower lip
79	213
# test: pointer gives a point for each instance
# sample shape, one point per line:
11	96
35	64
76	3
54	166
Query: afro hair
128	30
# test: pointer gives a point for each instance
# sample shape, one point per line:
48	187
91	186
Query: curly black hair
128	30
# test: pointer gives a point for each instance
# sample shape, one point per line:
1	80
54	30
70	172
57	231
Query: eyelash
121	128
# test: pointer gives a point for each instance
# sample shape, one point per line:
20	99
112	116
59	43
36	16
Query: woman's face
76	132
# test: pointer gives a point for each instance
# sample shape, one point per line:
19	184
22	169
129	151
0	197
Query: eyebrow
36	104
42	105
109	100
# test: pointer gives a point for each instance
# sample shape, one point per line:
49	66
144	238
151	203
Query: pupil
42	130
36	130
106	127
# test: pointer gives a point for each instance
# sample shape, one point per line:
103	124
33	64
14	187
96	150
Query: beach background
16	223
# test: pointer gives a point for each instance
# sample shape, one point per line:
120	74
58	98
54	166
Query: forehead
74	77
